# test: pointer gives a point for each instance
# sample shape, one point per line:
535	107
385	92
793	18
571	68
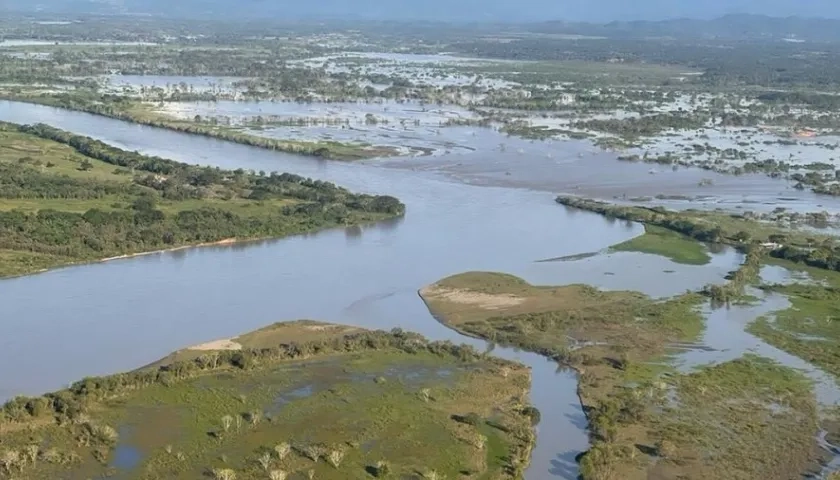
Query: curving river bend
108	317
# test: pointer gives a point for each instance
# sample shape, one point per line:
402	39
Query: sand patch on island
224	344
477	299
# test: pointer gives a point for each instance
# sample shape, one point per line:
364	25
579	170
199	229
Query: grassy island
669	244
745	419
294	400
68	198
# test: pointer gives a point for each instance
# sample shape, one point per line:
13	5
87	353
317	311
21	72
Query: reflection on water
125	456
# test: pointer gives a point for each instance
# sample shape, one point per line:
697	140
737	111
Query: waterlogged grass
745	419
669	244
148	113
338	416
733	420
509	310
809	329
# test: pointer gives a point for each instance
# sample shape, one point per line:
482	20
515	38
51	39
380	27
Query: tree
382	469
282	450
277	475
224	474
32	452
86	165
778	238
430	474
265	460
599	463
425	394
312	452
335	457
666	449
10	459
742	236
227	421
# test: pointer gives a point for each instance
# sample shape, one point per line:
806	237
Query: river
108	317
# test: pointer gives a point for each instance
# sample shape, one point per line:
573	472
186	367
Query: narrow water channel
109	317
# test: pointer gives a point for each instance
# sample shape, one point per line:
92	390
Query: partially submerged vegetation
734	420
136	112
809	328
68	198
728	106
659	241
739	230
343	403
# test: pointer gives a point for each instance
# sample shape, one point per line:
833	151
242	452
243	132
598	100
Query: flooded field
137	85
413	128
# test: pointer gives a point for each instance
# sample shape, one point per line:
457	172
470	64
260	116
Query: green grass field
676	247
339	416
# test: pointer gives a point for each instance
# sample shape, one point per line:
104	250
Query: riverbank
639	408
135	112
70	199
248	407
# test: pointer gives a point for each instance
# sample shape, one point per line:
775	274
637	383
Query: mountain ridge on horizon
590	11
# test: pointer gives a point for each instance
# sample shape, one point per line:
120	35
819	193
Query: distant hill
598	11
730	27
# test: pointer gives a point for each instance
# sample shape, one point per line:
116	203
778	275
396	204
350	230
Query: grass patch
745	419
337	413
15	263
669	244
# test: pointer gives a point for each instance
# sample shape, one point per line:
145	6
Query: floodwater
25	42
579	168
411	127
173	82
109	317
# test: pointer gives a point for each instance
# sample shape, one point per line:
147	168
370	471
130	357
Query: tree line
135	223
82	395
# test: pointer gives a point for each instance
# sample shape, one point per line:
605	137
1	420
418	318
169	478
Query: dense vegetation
148	203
